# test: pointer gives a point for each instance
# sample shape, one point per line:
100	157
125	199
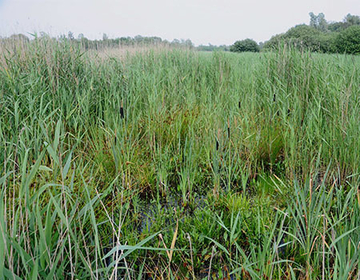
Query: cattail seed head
121	110
228	123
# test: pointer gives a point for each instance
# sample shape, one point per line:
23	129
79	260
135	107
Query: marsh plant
178	164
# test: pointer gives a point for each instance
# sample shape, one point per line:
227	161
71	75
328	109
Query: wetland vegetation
176	164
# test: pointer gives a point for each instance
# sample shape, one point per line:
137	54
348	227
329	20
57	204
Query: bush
304	37
246	45
327	42
274	42
348	40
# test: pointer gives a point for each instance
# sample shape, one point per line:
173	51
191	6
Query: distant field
176	164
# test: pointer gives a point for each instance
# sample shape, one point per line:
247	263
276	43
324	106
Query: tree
71	36
274	42
175	42
138	39
348	21
188	43
19	37
352	20
304	37
337	26
321	36
318	21
247	45
348	40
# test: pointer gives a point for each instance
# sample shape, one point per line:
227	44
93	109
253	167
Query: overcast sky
203	21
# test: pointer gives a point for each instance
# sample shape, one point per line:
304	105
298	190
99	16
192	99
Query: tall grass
173	163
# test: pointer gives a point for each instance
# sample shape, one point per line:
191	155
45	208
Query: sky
216	22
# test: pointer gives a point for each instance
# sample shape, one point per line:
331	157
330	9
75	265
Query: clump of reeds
275	194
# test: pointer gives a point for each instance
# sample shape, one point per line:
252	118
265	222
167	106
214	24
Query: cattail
239	104
121	110
216	139
288	112
228	128
274	98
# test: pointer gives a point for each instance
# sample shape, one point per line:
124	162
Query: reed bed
176	164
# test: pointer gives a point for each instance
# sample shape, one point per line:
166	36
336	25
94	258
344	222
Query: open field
175	164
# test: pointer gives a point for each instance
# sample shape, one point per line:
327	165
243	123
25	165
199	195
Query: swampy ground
177	164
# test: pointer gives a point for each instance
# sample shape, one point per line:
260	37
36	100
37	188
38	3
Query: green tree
348	40
188	43
304	36
352	20
71	36
321	36
348	21
274	42
19	37
318	21
337	26
300	36
247	45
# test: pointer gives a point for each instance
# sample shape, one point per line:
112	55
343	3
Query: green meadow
170	163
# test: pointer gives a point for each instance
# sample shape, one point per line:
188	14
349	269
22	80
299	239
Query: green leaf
67	166
52	153
57	135
133	248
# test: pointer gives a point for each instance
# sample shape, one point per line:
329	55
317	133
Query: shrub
348	40
300	36
274	42
304	37
247	45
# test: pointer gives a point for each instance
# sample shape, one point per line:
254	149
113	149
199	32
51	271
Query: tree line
105	42
319	36
138	40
